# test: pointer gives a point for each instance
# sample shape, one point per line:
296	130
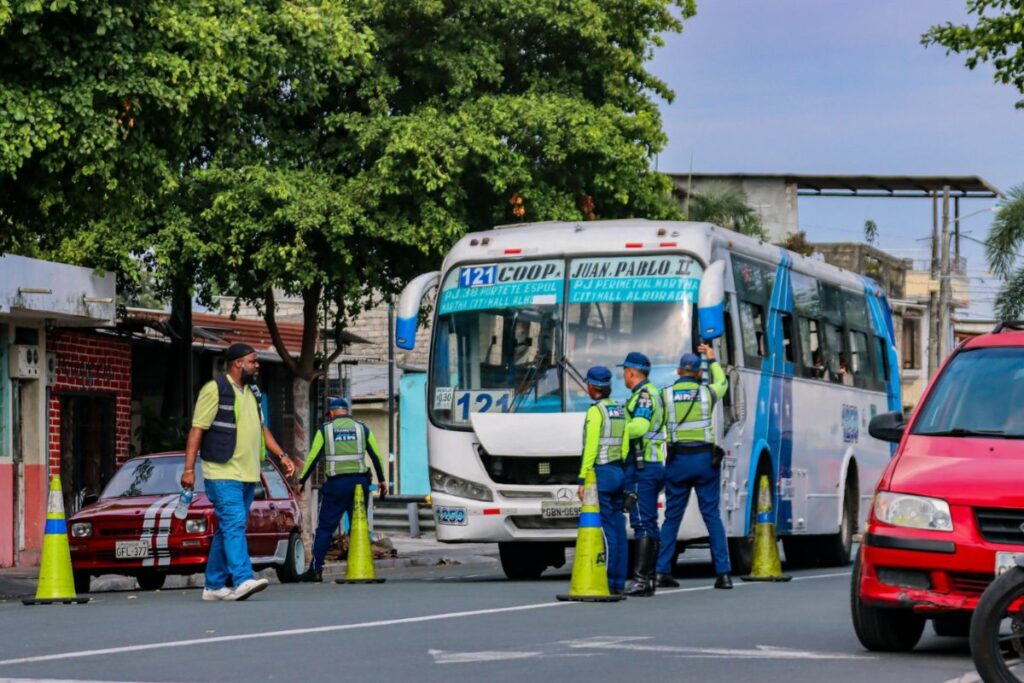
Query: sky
828	86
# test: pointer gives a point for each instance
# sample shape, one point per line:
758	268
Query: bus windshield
636	303
498	345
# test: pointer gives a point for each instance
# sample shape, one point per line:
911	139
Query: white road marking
969	677
445	657
53	680
632	643
330	629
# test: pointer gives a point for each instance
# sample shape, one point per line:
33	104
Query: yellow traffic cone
767	565
359	566
56	581
589	581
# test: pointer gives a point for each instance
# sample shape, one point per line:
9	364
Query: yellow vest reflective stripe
680	406
345	446
613	430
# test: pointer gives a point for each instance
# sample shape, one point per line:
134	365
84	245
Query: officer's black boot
642	582
723	581
652	563
666	581
312	575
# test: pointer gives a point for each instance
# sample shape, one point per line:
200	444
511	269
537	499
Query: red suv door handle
271	506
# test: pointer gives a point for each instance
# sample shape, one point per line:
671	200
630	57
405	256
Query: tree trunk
300	401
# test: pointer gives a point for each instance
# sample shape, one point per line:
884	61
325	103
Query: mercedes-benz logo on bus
564	494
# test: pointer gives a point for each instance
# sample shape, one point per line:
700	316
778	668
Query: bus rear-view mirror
711	301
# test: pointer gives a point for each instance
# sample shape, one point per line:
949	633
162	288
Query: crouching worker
349	449
605	447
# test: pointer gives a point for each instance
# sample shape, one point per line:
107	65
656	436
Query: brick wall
91	363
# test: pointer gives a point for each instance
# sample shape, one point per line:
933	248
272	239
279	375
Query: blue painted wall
413	475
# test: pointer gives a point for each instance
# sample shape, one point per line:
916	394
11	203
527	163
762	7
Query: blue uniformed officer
605	447
692	463
645	470
346	444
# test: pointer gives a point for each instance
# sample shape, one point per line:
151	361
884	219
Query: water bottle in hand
181	509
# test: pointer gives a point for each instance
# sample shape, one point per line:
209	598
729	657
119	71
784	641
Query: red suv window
980	393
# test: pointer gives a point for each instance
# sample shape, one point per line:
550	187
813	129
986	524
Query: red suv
948	513
131	529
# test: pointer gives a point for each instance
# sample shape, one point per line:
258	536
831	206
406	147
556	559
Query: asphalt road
466	623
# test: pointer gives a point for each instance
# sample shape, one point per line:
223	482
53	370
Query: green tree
727	206
871	232
1002	250
997	37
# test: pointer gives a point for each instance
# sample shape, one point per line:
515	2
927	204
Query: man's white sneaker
216	593
248	588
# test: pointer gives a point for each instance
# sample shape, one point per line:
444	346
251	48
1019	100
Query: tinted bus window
754	280
752	328
812	358
855	308
806	300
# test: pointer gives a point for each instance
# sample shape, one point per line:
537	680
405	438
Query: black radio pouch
717	455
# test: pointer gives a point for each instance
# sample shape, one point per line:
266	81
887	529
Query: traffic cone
359	566
589	581
56	580
767	565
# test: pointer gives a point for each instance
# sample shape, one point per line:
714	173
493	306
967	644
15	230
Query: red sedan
131	529
948	514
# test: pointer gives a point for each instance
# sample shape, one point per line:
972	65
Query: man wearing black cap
605	447
349	450
645	469
229	436
692	463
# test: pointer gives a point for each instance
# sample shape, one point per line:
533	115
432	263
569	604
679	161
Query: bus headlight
915	512
81	529
454	486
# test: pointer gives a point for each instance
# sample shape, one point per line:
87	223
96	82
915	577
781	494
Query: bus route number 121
466	402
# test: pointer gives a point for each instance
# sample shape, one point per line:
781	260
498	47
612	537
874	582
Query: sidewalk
424	551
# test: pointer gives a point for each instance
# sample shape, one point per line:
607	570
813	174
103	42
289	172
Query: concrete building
63	390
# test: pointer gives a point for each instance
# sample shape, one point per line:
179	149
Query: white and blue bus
521	311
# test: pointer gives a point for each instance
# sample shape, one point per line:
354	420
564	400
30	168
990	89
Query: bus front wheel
526	561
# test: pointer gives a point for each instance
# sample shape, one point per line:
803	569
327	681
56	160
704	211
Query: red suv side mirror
887	427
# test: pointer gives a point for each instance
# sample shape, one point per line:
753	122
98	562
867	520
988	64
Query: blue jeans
336	498
229	551
646	483
611	480
683	473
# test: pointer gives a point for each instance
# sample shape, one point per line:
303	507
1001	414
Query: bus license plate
131	550
559	509
1006	561
452	516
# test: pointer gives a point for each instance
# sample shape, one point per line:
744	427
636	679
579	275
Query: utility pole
945	282
933	299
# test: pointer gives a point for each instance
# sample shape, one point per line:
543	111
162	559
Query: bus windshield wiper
538	368
961	431
573	372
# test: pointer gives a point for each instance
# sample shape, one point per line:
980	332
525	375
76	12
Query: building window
910	348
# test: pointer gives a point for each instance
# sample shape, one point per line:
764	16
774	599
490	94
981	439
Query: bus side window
812	360
859	361
881	363
727	343
752	325
787	337
835	356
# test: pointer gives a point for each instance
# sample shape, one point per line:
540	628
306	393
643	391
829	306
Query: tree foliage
996	37
1003	251
727	206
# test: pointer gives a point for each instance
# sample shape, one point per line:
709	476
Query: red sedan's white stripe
149	523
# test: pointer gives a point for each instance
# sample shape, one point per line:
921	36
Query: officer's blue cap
599	376
338	403
637	361
689	361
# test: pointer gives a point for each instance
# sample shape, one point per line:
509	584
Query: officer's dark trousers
336	498
611	483
684	472
646	483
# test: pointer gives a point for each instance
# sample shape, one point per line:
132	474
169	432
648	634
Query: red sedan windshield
149	477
